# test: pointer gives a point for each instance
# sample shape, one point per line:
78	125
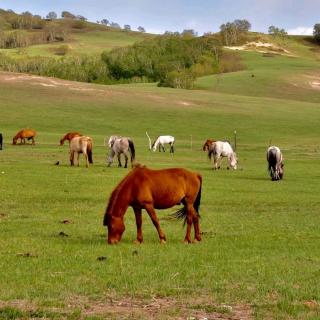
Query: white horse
161	141
219	149
275	163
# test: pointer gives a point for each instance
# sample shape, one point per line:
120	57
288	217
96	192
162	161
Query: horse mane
211	151
115	193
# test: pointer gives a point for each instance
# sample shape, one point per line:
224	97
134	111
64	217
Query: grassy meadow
260	254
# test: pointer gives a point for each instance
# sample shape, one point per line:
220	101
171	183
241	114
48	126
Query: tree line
173	61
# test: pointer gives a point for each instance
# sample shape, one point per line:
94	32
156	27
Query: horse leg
197	234
86	157
138	214
126	157
155	221
215	163
119	160
71	158
33	141
163	148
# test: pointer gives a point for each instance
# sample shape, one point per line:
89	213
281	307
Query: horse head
116	228
14	140
281	170
233	161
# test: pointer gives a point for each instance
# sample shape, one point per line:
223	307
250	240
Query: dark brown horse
24	134
148	189
69	136
207	144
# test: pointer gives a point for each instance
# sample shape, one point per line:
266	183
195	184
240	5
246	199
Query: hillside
292	72
43	37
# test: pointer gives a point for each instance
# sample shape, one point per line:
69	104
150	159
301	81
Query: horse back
165	188
26	133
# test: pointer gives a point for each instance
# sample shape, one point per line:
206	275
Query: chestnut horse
69	136
148	189
79	145
207	144
23	135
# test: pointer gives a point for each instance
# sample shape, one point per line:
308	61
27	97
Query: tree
316	32
127	27
82	18
189	33
141	29
231	31
52	15
242	25
277	32
115	25
105	21
67	15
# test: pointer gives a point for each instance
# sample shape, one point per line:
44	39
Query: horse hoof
137	241
186	241
162	241
196	240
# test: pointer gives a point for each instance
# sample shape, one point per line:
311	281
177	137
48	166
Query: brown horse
148	189
207	144
81	145
69	136
24	134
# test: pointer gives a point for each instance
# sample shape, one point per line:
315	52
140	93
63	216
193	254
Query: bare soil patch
263	47
155	308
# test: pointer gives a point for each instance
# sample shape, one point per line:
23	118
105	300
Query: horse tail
196	204
132	150
183	212
89	151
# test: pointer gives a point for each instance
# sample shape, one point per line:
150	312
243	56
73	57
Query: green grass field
82	42
259	258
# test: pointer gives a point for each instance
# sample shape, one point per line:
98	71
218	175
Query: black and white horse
275	163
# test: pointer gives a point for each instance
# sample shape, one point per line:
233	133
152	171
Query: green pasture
268	75
81	42
261	239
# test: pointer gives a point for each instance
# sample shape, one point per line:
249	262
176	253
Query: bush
178	79
62	50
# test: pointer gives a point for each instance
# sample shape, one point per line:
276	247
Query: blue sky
295	16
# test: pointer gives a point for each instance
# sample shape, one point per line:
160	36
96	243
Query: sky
295	16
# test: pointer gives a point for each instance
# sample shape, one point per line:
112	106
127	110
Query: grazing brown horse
24	134
81	145
207	144
148	189
69	136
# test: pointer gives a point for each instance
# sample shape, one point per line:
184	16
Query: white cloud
303	31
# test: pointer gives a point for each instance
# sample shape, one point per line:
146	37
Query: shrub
178	79
62	50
